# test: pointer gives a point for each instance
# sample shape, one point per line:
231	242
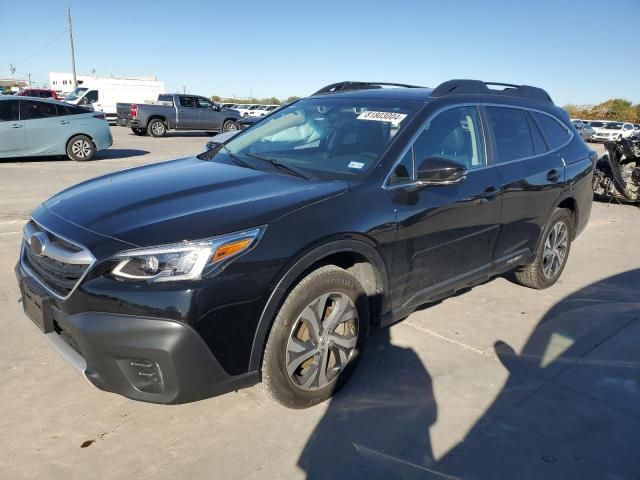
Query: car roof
421	94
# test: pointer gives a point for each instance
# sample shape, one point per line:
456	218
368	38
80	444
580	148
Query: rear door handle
490	194
16	125
65	122
553	175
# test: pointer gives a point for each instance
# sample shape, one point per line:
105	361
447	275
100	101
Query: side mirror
441	171
217	107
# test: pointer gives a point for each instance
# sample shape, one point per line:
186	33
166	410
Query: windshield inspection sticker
391	117
357	165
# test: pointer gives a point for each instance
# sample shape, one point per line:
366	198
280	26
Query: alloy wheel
157	128
555	250
81	148
230	127
322	341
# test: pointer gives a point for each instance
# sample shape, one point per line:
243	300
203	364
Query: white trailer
102	93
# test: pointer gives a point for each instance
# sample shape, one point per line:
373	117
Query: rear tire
80	148
316	338
157	128
552	253
139	131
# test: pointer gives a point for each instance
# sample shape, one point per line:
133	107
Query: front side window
9	111
511	132
343	136
557	135
455	134
32	110
91	97
203	103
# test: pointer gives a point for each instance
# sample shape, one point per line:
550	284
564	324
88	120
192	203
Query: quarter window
30	110
556	134
403	171
455	134
511	132
539	146
9	111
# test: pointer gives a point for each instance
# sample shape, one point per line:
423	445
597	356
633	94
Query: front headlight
186	260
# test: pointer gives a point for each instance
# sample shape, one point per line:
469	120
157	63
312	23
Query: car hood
185	199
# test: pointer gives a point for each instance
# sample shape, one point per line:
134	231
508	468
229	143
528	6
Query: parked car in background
176	111
613	131
263	110
269	258
102	94
586	132
39	93
578	123
636	127
245	110
597	125
227	105
32	127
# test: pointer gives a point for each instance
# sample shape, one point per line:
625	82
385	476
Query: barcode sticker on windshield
357	165
391	117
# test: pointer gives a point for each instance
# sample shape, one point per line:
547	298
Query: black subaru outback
268	258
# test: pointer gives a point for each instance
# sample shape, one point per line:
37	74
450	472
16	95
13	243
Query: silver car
31	127
586	132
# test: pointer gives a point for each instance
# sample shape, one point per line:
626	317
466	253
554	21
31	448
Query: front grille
62	268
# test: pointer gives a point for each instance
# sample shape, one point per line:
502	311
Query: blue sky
571	48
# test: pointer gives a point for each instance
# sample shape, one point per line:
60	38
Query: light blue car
32	127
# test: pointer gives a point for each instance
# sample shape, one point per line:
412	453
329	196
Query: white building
63	82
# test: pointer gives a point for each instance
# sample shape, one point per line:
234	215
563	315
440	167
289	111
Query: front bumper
142	358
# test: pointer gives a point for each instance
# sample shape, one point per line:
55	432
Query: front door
13	139
188	115
445	233
46	132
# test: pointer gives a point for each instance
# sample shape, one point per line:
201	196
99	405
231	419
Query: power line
42	48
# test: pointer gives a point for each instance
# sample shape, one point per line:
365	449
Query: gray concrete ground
498	382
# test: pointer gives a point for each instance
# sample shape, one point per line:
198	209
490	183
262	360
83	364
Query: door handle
490	194
16	125
65	122
553	175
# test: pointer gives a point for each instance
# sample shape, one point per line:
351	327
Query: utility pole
184	90
73	52
12	69
29	75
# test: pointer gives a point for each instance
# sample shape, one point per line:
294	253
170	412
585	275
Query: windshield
331	135
596	124
614	126
76	94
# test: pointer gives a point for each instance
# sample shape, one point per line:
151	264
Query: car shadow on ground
114	153
570	407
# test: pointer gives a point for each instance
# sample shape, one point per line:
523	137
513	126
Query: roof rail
464	87
344	86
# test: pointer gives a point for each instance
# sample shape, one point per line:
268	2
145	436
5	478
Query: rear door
188	115
210	116
44	129
13	138
532	174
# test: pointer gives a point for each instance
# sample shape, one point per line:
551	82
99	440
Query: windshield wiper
282	166
237	160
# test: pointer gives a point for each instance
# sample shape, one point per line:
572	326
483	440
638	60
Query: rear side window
187	102
556	133
32	110
511	132
71	110
9	111
165	98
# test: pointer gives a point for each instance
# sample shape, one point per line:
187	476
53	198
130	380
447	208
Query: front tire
157	128
80	148
316	338
230	126
552	253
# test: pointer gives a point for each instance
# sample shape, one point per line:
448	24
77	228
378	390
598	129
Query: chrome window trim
385	183
33	275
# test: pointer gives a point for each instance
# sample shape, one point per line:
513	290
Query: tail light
100	116
134	110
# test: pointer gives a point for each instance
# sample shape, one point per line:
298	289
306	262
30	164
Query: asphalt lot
497	382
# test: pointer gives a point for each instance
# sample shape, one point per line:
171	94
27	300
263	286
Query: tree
292	99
